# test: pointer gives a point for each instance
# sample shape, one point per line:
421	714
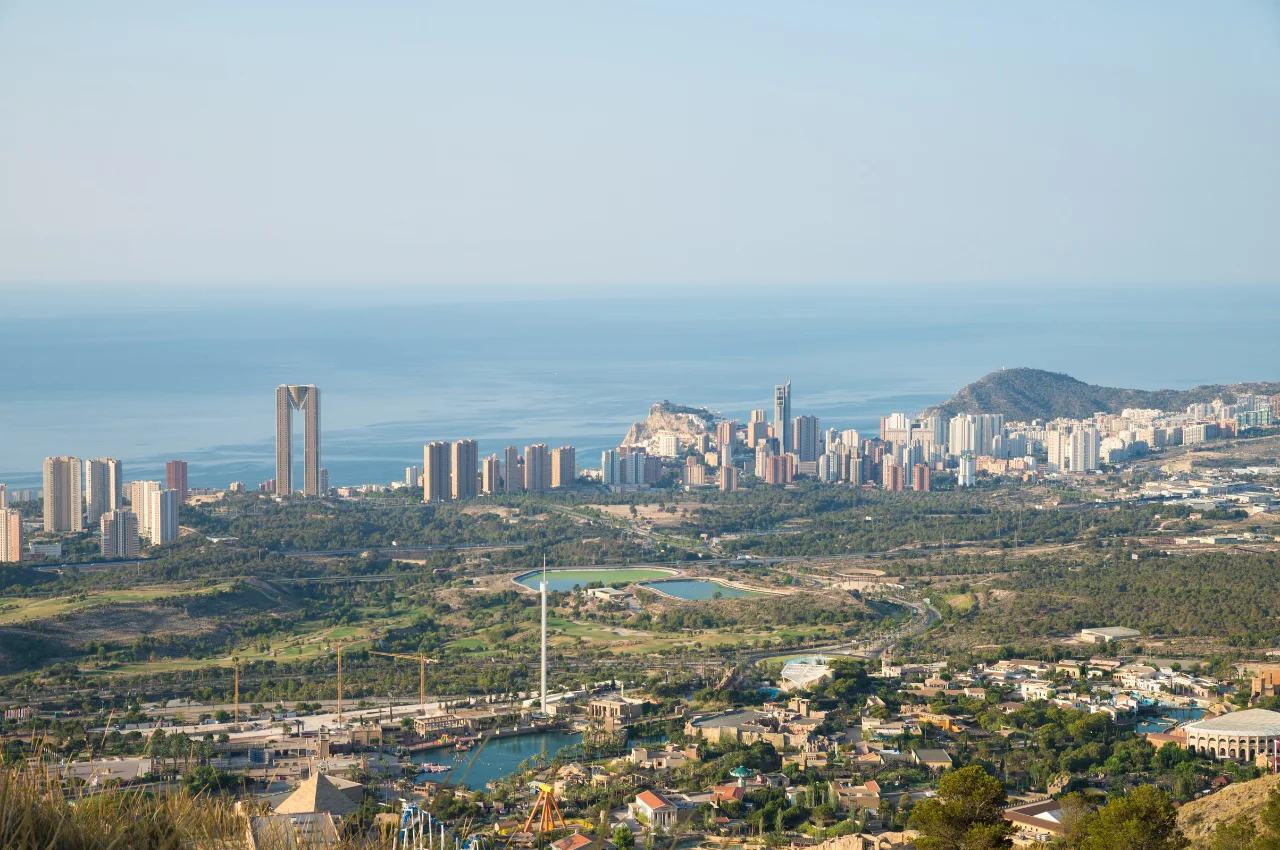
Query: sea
95	373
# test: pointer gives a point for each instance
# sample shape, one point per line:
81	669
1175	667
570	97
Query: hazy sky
616	145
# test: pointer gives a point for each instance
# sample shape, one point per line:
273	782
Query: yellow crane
423	661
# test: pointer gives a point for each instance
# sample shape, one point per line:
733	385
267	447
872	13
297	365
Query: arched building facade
1239	736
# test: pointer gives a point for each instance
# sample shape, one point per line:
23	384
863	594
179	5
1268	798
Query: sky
612	147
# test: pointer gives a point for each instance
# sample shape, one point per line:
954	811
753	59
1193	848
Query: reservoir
697	589
566	579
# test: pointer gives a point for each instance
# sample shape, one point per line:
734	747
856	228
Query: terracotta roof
572	842
653	800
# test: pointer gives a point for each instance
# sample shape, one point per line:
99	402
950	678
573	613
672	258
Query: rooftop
1253	721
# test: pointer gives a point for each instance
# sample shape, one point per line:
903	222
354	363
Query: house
656	809
577	841
1034	689
608	594
730	791
1039	821
304	831
850	794
932	759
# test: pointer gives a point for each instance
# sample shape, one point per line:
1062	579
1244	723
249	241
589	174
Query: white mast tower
543	588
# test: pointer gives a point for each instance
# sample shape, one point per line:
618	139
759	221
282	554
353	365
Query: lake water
566	579
145	380
698	589
1169	717
500	756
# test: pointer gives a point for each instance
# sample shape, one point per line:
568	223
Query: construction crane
423	661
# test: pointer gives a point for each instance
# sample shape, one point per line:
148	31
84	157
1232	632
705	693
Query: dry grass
36	813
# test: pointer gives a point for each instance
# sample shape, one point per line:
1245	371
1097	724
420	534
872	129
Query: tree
623	838
966	815
1142	820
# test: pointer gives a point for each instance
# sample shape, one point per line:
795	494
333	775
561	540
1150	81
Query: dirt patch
124	623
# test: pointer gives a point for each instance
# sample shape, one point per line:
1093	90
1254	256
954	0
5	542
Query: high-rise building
140	500
780	469
610	468
10	535
162	511
1082	449
967	472
119	534
782	416
63	494
759	415
669	445
512	470
728	479
102	486
463	459
304	397
805	431
634	464
436	472
962	435
851	438
175	478
491	475
537	468
4	495
726	441
829	463
757	431
892	477
921	478
564	466
413	475
235	487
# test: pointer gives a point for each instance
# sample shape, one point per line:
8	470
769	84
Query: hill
1023	394
667	418
1198	818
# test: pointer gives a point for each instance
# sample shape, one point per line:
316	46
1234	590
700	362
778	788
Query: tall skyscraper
119	534
140	501
291	397
4	495
759	415
537	468
463	458
10	535
63	494
967	472
491	475
512	473
413	476
162	511
805	431
102	486
610	467
757	430
726	440
564	466
437	474
782	416
892	475
175	478
921	478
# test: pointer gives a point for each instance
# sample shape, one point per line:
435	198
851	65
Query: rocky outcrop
667	418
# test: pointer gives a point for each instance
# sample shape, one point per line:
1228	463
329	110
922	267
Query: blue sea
91	376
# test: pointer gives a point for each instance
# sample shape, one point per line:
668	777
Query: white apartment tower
63	494
162	510
304	397
103	487
140	500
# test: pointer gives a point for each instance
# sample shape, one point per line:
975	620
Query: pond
1168	718
500	756
697	589
566	579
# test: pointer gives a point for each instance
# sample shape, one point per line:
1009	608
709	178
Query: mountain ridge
1024	393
